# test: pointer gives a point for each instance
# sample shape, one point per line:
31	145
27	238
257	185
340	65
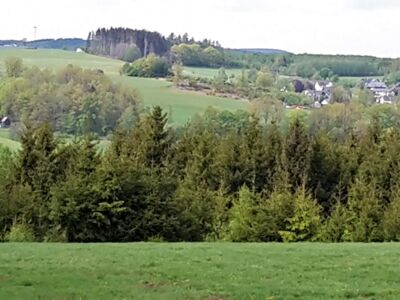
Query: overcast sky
370	27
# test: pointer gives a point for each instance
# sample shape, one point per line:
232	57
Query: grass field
199	271
6	140
154	92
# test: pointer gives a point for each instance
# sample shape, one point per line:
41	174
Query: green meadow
199	271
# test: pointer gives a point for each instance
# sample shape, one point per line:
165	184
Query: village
321	91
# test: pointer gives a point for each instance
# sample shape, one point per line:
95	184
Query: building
5	122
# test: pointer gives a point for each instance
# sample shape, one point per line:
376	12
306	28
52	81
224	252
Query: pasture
182	104
199	271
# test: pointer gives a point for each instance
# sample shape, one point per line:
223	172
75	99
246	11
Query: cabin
5	122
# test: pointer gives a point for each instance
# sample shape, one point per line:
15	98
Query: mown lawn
199	271
183	105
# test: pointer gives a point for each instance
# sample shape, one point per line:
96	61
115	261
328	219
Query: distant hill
69	44
260	51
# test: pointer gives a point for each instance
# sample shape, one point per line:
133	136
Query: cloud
373	4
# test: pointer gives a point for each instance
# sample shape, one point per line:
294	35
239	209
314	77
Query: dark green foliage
296	155
115	41
224	176
151	66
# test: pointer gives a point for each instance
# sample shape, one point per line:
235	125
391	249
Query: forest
331	175
130	45
72	100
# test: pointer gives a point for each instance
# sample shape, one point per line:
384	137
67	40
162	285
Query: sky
366	27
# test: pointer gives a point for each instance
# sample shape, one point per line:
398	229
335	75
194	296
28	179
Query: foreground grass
199	271
183	105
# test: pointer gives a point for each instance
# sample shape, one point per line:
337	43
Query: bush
20	233
151	66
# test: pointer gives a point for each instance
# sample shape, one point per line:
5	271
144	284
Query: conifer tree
365	212
305	224
296	155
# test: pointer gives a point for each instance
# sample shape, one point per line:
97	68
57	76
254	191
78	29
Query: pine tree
296	155
391	218
365	212
305	224
243	225
38	168
334	229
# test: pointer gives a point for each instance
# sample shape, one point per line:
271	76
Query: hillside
65	43
183	105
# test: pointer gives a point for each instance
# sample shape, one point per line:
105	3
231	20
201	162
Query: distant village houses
383	94
320	92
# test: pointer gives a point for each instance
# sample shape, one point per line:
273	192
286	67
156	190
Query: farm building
5	122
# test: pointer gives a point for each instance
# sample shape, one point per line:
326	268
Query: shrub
151	66
20	233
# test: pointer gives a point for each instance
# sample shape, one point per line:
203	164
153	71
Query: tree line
130	45
224	176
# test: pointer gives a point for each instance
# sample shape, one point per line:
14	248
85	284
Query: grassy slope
199	271
6	140
181	104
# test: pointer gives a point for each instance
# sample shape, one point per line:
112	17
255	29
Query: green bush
20	233
152	66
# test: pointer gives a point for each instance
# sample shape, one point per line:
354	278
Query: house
384	100
375	85
323	86
5	122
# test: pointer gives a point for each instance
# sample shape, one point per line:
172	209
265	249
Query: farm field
199	271
182	104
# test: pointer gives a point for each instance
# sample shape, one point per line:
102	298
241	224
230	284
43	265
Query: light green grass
208	72
180	103
5	140
199	271
154	92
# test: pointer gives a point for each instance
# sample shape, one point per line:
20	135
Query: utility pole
34	33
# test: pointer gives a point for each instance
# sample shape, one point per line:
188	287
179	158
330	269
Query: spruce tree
296	155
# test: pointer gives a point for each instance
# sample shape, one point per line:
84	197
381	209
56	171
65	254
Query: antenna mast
34	33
